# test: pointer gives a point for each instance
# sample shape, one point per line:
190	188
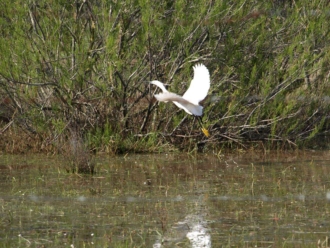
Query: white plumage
196	92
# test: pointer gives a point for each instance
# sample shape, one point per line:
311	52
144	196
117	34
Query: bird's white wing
199	86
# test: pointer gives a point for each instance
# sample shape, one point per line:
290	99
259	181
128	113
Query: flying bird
190	100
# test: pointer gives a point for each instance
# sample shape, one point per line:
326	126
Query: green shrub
86	66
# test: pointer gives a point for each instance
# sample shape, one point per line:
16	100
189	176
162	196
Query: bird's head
160	85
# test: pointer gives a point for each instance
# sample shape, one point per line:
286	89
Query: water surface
250	200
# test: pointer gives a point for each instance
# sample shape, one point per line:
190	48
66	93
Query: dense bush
83	68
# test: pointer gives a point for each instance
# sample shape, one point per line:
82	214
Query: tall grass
86	66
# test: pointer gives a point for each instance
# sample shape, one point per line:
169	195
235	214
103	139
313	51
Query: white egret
196	92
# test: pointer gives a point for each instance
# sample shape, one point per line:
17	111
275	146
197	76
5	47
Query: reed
88	65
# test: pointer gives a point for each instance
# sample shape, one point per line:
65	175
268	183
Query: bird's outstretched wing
199	86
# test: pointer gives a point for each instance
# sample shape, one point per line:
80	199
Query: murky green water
167	201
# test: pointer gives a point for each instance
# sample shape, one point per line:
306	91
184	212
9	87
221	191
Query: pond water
242	200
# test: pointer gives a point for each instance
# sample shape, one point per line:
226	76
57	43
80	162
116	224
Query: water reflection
167	201
193	227
198	233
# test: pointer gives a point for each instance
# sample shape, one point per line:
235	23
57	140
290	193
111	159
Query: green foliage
86	66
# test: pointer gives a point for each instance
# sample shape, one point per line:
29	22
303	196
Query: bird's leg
204	130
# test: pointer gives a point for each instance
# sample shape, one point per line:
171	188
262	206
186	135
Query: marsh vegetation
82	68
